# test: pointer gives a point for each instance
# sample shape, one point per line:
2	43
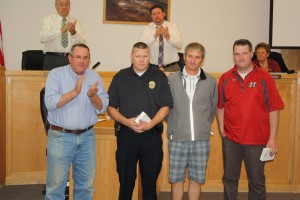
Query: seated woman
262	51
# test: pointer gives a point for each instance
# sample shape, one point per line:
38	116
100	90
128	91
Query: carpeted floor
22	192
242	196
34	192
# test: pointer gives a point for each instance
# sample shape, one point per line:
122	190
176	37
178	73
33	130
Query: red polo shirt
247	103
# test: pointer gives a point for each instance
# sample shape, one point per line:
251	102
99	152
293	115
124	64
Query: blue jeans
64	149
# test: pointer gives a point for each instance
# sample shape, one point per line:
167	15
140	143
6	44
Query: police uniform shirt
133	94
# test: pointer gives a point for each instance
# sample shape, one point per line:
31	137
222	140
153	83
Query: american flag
1	48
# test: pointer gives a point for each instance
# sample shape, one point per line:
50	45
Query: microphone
95	65
291	71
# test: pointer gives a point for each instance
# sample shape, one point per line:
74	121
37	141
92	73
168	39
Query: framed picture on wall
132	11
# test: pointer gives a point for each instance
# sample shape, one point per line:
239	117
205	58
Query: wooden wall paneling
214	171
2	126
26	138
163	184
281	178
297	138
291	58
107	180
106	169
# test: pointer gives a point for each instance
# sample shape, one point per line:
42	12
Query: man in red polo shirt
248	116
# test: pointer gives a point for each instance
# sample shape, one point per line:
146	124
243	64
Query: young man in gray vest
189	122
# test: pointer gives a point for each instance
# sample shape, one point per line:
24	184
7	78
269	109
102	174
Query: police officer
139	88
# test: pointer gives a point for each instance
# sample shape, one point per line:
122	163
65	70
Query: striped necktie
161	51
64	36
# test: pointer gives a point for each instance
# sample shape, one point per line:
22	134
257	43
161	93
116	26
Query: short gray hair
79	45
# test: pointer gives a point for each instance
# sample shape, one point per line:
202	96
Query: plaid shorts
188	154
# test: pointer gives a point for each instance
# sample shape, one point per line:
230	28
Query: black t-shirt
133	94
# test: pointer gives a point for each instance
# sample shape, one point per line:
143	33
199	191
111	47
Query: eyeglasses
79	58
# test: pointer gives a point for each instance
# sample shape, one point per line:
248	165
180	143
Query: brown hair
140	45
263	45
195	46
156	6
243	42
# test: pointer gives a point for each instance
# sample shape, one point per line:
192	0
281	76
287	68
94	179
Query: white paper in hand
265	155
144	117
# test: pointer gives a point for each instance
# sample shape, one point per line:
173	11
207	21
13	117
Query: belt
57	128
57	54
165	66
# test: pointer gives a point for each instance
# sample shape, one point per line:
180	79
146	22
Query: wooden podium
23	141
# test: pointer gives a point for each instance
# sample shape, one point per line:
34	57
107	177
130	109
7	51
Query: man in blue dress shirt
74	97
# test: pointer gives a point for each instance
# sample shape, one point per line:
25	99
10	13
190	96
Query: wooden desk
2	127
24	158
297	140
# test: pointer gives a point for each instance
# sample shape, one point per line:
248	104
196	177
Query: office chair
44	114
180	62
44	111
32	60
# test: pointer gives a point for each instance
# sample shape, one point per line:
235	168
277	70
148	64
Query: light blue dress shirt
79	113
